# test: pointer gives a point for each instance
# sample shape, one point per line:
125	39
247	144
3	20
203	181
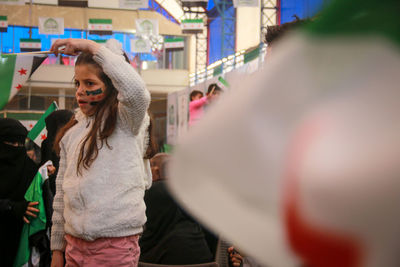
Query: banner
140	45
133	4
192	25
174	43
172	119
183	111
30	45
146	27
12	2
100	26
14	72
245	3
194	3
3	24
51	25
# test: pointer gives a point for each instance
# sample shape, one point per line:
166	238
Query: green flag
33	194
39	132
15	70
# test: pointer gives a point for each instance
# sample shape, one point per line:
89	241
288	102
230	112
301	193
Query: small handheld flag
39	132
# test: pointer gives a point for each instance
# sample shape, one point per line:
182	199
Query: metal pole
30	19
29	96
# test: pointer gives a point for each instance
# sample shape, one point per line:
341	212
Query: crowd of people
100	214
111	199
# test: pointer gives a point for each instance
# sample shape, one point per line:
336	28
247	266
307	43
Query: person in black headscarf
16	174
170	235
54	122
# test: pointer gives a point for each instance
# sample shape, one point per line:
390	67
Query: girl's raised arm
134	98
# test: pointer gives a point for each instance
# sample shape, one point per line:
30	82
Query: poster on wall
140	45
133	4
146	27
245	3
51	25
12	2
46	2
183	111
172	119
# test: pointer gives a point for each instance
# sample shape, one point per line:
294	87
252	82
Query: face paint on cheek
94	92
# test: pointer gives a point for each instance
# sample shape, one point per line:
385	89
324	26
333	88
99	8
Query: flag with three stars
39	132
15	69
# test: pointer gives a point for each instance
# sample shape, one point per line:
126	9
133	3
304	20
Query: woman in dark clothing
170	235
54	122
16	171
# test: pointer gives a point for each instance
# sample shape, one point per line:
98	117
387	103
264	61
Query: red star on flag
30	126
22	71
43	136
19	86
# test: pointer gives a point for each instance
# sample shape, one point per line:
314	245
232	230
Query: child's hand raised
74	46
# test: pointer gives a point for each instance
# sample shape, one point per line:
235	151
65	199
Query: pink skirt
113	251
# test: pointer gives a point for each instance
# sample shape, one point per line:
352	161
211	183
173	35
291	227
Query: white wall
248	25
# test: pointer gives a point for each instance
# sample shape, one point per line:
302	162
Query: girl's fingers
32	204
33	209
31	214
25	219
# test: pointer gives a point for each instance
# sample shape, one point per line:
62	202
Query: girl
98	208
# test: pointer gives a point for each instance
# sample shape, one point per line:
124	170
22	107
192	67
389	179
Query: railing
228	64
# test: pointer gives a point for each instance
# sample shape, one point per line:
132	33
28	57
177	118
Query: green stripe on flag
7	65
192	21
100	41
24	116
25	40
100	21
223	81
3	17
358	18
41	124
251	55
173	40
217	70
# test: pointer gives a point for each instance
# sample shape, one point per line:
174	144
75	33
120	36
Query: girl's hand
30	210
74	46
235	258
51	169
57	259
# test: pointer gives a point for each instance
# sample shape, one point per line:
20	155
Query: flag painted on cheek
95	96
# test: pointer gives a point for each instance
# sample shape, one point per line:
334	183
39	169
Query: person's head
159	165
56	120
213	91
12	141
12	132
196	94
94	90
275	32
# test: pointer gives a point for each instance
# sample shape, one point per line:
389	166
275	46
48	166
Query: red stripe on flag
316	245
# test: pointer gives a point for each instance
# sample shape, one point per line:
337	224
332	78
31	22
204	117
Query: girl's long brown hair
104	122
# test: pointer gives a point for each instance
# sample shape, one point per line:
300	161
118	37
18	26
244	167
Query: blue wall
301	8
215	43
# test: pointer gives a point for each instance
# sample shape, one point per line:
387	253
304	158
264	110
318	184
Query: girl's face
90	89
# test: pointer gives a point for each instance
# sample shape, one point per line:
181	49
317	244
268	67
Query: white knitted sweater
107	199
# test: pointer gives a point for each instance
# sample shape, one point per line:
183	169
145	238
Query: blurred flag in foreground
39	132
314	175
15	69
